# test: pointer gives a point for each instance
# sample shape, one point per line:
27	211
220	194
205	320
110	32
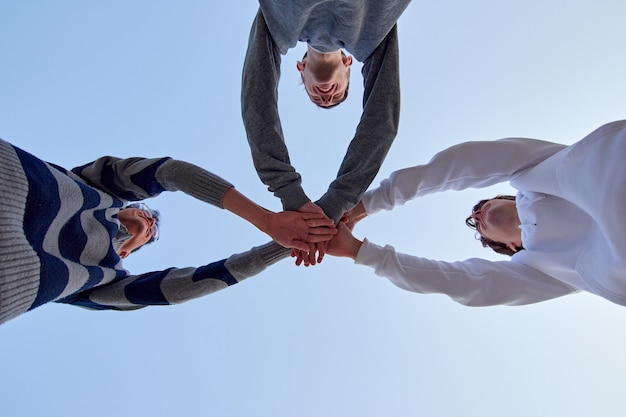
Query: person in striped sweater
64	233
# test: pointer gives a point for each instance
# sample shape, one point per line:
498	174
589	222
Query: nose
325	88
477	215
326	92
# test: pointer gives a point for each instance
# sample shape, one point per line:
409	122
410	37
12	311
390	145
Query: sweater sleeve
259	109
466	165
375	132
134	179
177	285
473	282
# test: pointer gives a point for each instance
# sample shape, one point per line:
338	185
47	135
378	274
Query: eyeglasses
150	214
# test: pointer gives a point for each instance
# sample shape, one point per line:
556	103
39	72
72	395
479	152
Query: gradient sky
81	79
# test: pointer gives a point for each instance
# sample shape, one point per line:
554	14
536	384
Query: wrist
263	221
355	246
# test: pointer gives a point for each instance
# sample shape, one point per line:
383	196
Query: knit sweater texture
365	28
57	226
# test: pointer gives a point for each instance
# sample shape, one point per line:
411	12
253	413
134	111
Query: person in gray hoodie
365	28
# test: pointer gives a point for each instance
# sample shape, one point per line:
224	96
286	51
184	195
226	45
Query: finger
322	251
311	254
320	238
322	230
325	222
303	260
299	259
312	215
300	245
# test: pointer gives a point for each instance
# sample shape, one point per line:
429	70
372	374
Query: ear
129	246
512	246
300	65
347	60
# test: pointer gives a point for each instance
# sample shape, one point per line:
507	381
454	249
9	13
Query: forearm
473	282
259	109
177	285
245	208
375	132
466	165
199	183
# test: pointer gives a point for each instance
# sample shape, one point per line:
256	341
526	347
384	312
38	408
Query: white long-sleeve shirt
571	202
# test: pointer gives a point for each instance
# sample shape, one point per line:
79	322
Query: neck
315	55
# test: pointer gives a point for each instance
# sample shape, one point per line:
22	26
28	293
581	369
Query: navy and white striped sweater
56	229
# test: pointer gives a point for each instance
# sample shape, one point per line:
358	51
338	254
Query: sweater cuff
332	207
254	261
199	183
373	201
368	254
294	199
209	188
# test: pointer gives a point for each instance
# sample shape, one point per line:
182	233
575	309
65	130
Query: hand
352	217
344	243
308	256
316	250
297	230
290	229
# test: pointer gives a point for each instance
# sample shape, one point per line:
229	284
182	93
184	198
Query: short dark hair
497	247
345	95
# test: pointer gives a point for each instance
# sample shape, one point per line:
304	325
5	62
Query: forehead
480	204
137	210
495	200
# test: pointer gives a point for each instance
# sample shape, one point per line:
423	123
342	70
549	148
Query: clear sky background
81	79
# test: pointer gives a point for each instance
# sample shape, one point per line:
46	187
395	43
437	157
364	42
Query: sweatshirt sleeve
177	285
466	165
134	179
259	109
473	282
375	132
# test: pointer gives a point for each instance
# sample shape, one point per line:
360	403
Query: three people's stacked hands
323	236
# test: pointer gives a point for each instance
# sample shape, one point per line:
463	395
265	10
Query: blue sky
81	79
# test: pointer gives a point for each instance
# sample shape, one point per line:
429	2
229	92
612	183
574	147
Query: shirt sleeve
134	179
375	132
177	285
259	109
467	165
473	282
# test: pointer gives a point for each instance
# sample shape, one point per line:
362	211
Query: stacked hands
323	236
309	232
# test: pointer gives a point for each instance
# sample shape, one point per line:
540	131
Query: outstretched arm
375	132
140	178
466	165
177	285
259	109
473	282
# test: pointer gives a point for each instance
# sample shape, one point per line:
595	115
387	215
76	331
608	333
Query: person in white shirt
564	228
